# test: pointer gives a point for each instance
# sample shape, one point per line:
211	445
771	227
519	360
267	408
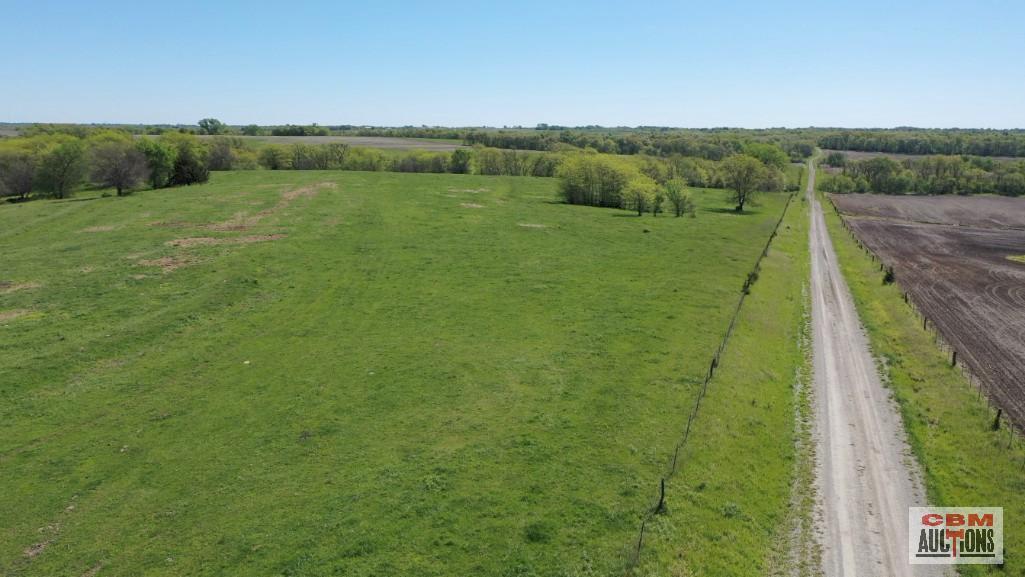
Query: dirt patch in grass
168	263
13	314
7	286
36	549
103	228
530	225
470	190
207	241
471	205
170	224
244	221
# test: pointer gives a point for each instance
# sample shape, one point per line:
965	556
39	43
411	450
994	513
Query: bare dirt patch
13	314
170	224
103	228
244	221
168	263
470	190
36	549
951	255
530	225
207	241
471	205
7	287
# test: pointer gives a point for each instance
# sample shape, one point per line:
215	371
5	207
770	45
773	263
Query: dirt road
866	478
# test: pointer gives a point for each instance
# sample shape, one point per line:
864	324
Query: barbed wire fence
675	464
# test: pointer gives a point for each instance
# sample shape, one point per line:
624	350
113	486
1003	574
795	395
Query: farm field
954	257
949	427
312	372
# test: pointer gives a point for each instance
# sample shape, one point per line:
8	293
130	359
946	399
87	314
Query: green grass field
949	428
732	507
372	374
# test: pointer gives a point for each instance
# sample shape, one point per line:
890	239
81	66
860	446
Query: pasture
310	372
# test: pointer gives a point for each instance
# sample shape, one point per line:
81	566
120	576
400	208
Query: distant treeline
939	141
927	175
55	163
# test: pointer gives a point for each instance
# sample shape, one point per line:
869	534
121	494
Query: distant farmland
958	259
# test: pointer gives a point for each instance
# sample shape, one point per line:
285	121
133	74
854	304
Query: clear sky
755	63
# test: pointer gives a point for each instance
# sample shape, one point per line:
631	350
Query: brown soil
951	255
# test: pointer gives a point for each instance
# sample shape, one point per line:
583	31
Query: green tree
677	195
190	160
118	165
62	168
252	130
17	173
743	175
211	126
639	194
769	154
160	159
461	161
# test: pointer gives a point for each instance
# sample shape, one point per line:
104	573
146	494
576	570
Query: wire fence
675	463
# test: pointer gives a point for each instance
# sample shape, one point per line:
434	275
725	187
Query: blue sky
439	62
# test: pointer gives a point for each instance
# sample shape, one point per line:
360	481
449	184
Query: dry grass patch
7	287
168	263
13	314
103	228
207	241
471	205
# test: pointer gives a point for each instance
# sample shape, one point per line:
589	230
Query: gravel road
866	476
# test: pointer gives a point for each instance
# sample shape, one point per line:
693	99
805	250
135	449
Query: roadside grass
742	497
949	427
406	374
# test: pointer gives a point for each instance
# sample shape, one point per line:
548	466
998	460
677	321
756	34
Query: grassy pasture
356	373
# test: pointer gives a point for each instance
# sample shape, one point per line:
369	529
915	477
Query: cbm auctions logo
955	535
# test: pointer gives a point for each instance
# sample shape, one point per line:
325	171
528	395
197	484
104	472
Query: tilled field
952	255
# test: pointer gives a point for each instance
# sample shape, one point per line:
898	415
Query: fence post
996	421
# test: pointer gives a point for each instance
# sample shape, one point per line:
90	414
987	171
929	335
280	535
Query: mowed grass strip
966	463
728	506
419	374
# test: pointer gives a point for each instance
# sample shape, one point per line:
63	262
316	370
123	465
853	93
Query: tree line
929	142
52	162
927	175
